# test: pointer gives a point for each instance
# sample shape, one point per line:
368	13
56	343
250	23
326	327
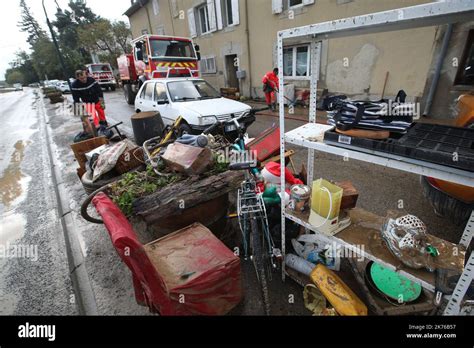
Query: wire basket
130	159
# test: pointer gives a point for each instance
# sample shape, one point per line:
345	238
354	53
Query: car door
168	114
146	102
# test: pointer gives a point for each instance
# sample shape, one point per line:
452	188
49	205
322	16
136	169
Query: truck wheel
128	93
112	88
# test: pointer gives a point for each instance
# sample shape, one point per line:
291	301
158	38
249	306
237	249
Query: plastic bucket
325	204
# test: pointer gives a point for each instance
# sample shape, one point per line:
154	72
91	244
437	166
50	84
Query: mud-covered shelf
362	239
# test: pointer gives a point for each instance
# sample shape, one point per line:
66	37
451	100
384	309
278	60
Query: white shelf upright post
454	304
281	110
315	59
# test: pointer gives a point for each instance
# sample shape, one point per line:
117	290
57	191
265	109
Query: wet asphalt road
34	276
29	216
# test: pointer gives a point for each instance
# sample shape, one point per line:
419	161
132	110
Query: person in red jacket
270	85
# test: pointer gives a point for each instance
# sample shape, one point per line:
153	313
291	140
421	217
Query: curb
83	292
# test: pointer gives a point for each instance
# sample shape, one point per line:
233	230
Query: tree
29	24
108	40
82	13
123	35
68	23
24	65
14	76
45	59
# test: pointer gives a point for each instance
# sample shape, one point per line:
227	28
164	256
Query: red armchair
187	272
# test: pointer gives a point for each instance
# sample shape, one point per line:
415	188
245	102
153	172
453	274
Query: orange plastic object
466	110
339	295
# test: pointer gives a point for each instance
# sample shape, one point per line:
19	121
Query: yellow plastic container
320	202
339	295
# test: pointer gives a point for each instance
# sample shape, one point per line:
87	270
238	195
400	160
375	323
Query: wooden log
184	195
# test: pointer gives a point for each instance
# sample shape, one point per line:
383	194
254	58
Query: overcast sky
13	40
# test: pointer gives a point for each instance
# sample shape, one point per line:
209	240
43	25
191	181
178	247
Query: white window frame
295	6
226	17
206	14
174	8
293	68
204	65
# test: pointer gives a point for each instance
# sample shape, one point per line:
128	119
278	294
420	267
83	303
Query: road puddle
12	227
13	186
13	181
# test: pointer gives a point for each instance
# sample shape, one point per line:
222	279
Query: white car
192	98
63	86
50	83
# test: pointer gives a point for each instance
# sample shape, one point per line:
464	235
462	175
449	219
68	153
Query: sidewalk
110	279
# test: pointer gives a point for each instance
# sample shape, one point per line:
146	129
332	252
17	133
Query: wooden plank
185	194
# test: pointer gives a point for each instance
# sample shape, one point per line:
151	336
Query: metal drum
146	125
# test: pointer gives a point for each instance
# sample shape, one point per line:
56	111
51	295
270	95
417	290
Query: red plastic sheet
188	272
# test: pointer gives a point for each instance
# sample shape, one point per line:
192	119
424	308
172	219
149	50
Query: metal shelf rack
430	14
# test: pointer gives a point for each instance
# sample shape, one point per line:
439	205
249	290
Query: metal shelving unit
430	14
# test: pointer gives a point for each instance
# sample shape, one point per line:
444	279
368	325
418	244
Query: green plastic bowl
394	285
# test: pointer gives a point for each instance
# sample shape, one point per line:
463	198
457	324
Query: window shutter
211	11
203	65
308	2
235	12
156	8
211	65
219	14
192	22
174	7
277	6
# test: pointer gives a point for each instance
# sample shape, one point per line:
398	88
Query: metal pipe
437	72
61	60
247	34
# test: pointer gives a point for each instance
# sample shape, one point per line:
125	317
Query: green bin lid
393	284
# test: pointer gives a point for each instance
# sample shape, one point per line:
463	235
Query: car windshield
191	90
99	68
171	48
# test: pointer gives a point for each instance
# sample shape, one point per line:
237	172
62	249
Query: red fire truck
103	74
157	56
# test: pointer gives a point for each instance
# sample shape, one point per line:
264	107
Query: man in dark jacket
87	90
